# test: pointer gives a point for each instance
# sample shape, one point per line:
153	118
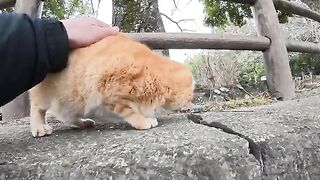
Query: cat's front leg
134	118
38	123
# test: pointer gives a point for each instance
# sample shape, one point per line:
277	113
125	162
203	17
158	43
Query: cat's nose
185	110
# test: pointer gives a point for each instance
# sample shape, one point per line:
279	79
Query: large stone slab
287	133
279	141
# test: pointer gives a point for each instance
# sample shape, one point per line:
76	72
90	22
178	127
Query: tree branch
92	8
175	4
175	7
99	1
177	22
189	30
184	20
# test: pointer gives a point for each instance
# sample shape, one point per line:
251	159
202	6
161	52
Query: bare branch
99	1
189	30
175	4
175	7
184	20
92	8
177	22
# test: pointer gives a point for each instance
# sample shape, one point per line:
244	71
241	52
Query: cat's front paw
146	124
41	130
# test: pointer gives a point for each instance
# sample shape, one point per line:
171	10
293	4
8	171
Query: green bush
196	66
305	63
251	72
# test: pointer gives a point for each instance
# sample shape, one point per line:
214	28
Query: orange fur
118	74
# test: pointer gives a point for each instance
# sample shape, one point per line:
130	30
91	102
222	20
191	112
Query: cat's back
117	54
107	55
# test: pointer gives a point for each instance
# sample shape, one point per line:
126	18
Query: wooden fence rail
270	41
293	8
303	47
201	41
215	41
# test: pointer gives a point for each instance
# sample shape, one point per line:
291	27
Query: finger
98	23
102	24
108	31
114	29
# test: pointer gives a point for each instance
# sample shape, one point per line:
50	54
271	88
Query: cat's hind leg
83	123
75	121
133	117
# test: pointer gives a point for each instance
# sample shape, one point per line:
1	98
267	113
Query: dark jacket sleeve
29	49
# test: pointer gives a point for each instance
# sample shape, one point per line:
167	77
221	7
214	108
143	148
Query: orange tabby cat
118	74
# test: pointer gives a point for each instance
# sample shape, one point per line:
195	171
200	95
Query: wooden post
279	78
31	7
20	107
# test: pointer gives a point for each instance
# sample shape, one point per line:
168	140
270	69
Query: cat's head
180	93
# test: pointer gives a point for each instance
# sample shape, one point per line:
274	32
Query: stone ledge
287	135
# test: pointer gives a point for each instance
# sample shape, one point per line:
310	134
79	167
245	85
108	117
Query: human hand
84	31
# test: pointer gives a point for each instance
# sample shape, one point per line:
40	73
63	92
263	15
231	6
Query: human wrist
57	44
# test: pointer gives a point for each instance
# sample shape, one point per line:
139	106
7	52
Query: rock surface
278	141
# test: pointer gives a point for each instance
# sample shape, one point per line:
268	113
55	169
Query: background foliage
63	9
210	68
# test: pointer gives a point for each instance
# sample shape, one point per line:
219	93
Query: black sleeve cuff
58	44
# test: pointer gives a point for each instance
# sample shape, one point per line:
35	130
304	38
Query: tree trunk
31	7
276	59
20	107
138	16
